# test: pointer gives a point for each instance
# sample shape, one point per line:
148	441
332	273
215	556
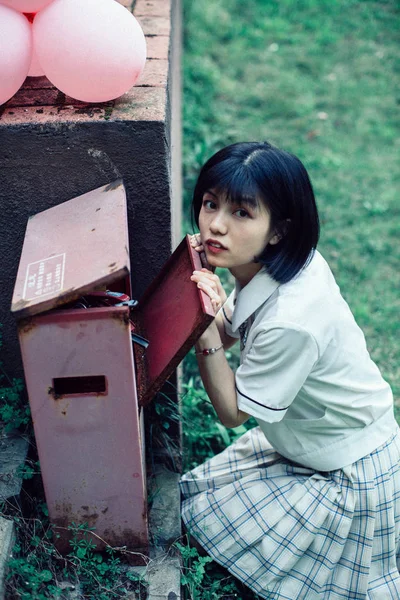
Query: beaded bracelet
208	351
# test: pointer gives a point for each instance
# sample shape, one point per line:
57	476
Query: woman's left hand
209	283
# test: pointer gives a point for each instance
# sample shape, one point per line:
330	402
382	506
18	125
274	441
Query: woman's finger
204	260
212	280
195	242
211	293
207	278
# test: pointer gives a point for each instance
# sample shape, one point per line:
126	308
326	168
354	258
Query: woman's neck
245	273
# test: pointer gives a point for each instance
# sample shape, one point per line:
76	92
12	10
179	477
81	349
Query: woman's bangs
235	186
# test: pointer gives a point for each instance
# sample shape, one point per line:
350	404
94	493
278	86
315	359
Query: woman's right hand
196	243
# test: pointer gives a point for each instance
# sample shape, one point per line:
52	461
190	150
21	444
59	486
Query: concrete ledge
165	514
163	573
164	578
7	539
13	451
149	105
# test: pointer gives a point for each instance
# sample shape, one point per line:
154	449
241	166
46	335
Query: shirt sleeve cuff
259	411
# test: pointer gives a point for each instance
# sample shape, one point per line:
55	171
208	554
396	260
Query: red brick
37	83
155	25
141	104
127	3
34	97
158	46
155	73
152	8
138	104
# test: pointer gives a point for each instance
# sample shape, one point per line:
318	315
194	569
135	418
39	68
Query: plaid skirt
291	533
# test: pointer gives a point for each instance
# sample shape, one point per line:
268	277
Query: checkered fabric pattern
291	533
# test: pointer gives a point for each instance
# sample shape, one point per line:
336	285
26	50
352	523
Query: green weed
14	410
202	579
203	434
37	571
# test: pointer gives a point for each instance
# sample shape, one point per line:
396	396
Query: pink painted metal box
80	370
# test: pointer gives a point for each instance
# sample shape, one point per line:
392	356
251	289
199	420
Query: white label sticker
44	277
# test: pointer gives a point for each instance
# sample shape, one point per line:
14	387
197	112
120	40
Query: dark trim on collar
252	296
229	321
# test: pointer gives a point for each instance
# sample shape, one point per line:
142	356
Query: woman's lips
215	247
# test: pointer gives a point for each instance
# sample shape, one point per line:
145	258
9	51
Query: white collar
249	298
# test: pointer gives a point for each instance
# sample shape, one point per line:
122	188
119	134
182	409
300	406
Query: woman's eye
210	204
241	213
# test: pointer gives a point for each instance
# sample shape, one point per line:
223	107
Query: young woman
307	504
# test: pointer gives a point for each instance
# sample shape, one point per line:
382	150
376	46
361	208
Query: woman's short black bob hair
253	172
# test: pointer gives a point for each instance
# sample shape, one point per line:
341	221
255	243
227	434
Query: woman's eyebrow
246	202
211	193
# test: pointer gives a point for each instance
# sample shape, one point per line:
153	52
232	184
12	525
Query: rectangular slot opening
91	384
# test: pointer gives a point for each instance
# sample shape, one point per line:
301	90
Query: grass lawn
318	78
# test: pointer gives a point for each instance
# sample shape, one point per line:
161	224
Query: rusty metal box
85	385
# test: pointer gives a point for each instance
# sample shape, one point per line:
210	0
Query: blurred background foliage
318	78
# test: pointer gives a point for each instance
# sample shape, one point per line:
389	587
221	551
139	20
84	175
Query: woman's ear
275	239
280	232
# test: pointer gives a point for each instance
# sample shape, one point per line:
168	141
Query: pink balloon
26	6
15	51
35	70
92	50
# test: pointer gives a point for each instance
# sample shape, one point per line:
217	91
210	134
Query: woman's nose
218	224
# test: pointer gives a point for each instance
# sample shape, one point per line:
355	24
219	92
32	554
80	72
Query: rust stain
64	412
94	229
51	392
26	326
68	295
90	519
97	209
112	265
127	537
122	317
115	536
65	507
60	525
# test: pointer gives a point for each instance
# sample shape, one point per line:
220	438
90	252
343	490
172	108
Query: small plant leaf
81	552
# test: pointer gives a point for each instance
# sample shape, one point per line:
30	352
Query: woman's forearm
226	339
219	379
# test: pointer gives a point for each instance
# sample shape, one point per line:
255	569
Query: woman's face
233	235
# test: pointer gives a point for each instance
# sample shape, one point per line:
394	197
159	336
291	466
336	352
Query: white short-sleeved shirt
305	372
